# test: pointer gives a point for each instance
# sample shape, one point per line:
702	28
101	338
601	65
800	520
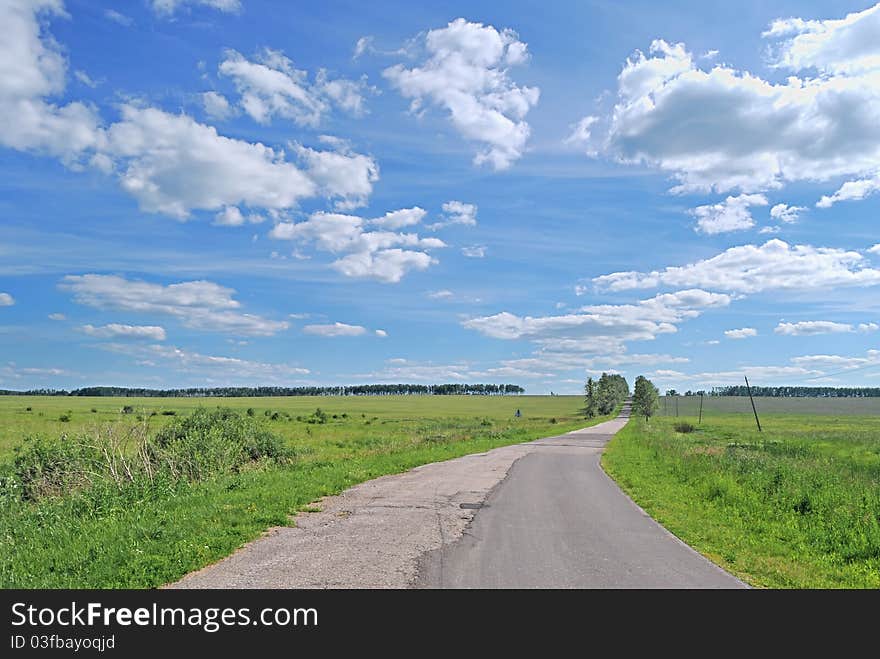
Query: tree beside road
646	398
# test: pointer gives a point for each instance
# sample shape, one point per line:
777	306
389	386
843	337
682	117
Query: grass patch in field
149	533
797	506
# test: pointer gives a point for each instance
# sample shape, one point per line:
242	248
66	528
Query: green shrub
251	411
168	413
44	468
128	409
684	426
64	418
205	444
28	409
94	410
209	442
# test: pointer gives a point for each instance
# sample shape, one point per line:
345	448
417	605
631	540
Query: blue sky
239	192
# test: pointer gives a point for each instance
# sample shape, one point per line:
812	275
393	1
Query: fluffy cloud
851	191
6	300
271	86
786	213
732	214
57	316
334	330
168	7
722	129
116	330
775	265
405	217
457	212
466	73
201	305
231	216
743	333
848	45
813	327
169	162
216	106
374	254
32	71
345	176
174	165
388	265
600	328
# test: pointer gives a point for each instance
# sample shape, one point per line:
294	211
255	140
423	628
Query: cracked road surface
541	514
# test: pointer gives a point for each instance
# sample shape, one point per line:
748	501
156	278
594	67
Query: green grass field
796	506
145	537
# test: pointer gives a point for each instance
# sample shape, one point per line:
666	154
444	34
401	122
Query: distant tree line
253	392
798	392
603	396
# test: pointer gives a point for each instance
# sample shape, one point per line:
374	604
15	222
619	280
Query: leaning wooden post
701	407
749	389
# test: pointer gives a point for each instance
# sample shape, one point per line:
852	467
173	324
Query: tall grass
795	506
205	444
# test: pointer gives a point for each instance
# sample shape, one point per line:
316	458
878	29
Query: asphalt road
558	521
537	515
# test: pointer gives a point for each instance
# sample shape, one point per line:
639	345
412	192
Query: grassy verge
797	506
148	535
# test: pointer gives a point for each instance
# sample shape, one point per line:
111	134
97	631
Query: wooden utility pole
701	407
749	389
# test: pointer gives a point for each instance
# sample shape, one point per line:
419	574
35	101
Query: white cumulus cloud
743	333
457	212
713	127
775	265
33	71
732	214
216	106
466	73
272	86
405	217
786	213
373	254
